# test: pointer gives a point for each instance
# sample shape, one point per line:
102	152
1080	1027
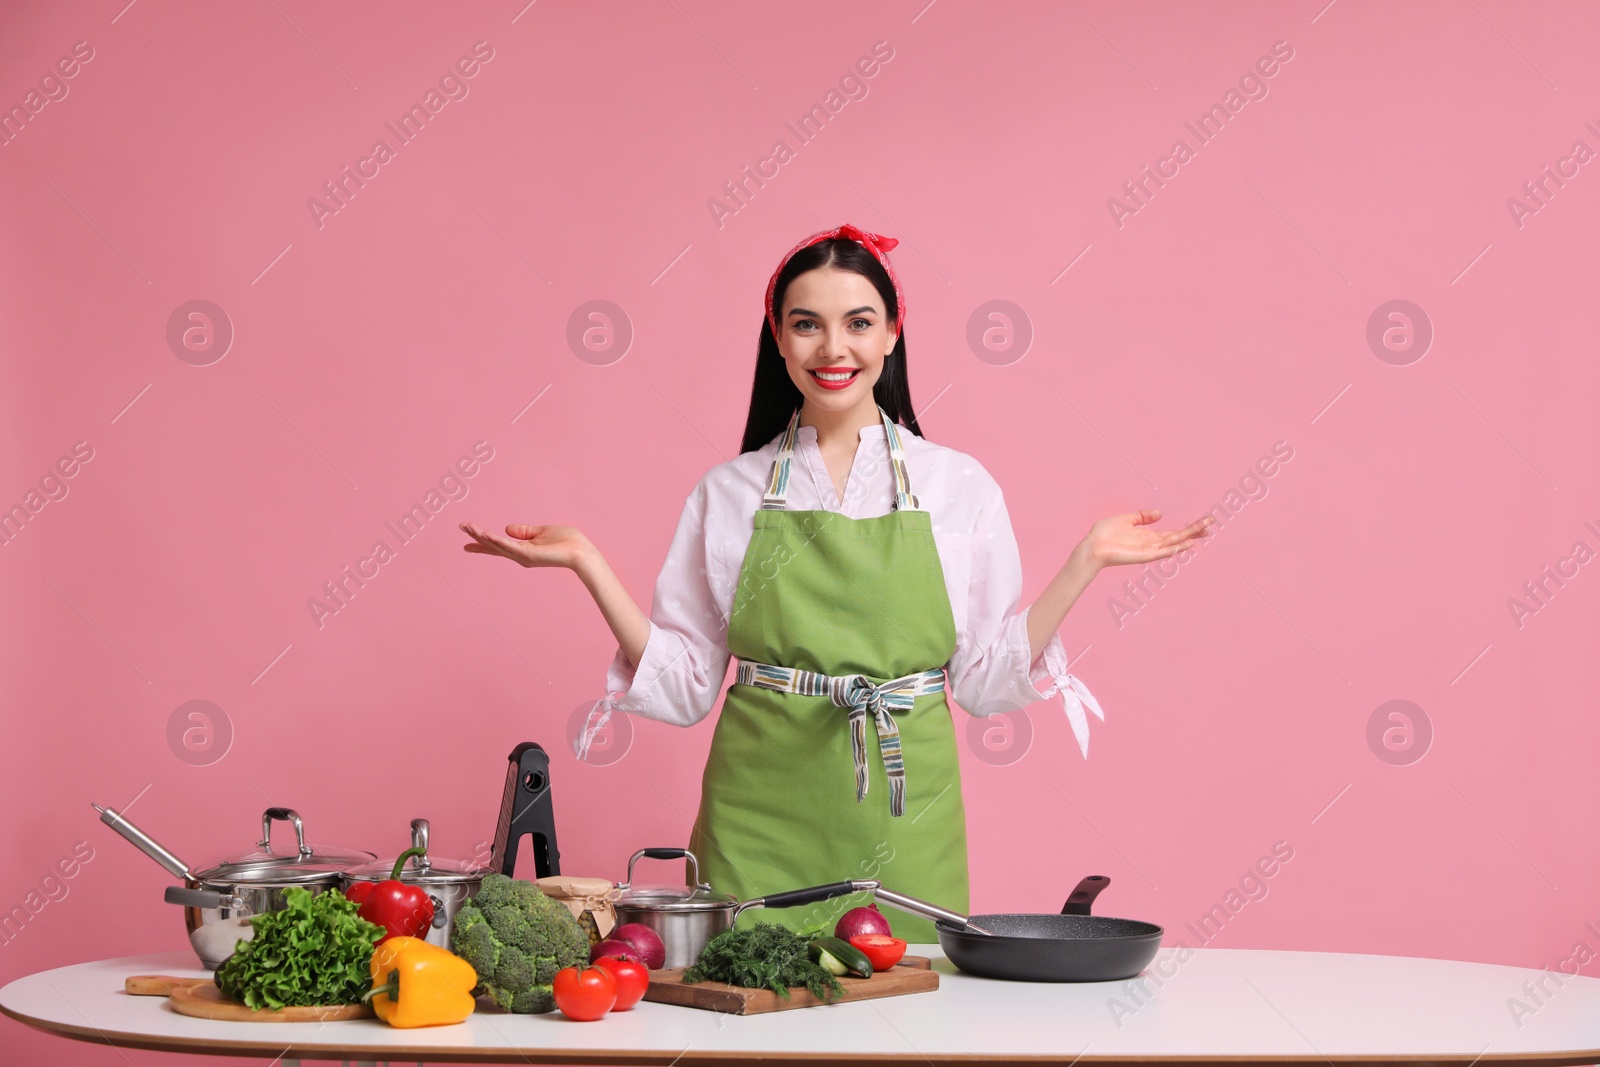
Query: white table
1219	1004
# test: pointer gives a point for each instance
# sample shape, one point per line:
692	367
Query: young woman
858	572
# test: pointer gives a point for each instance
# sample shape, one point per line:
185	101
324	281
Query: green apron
779	808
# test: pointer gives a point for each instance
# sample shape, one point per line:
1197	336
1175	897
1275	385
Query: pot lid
696	897
437	872
426	869
299	864
674	898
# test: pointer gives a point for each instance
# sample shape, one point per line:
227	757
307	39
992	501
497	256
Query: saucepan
449	883
219	901
1073	946
686	917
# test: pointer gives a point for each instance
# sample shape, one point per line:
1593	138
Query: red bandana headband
878	245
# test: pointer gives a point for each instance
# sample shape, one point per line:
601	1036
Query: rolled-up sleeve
685	659
990	670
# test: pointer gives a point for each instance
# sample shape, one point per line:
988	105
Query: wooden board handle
157	985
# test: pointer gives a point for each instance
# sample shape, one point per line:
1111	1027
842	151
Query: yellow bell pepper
418	984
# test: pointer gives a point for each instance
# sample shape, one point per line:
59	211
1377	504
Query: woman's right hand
566	546
531	546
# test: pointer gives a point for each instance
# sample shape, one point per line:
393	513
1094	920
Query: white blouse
685	661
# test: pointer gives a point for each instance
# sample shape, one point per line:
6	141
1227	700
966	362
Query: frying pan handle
921	907
794	898
1083	896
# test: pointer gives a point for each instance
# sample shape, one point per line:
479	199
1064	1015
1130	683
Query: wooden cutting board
201	998
913	974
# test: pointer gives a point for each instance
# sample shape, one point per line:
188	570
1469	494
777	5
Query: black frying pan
1074	946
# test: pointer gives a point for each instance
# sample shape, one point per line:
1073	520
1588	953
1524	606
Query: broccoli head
517	938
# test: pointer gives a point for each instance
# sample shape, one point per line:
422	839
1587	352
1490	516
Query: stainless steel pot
450	883
218	901
686	917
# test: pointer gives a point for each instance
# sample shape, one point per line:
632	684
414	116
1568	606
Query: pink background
1229	313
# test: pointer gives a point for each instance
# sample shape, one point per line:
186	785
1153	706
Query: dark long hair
774	396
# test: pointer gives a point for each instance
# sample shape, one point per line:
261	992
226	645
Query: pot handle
142	841
202	898
1083	896
288	815
665	854
794	898
419	839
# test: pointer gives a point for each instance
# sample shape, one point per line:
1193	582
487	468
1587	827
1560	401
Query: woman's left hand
1123	539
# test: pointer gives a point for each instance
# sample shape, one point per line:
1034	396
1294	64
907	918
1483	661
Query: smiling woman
865	578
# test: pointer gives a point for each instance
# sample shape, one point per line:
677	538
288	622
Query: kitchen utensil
526	810
687	917
1073	946
142	841
219	900
913	974
449	883
200	998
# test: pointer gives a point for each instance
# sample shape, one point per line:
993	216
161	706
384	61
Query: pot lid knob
288	815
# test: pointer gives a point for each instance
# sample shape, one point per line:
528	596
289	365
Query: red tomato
884	951
632	977
584	995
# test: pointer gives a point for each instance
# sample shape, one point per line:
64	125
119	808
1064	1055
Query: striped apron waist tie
858	693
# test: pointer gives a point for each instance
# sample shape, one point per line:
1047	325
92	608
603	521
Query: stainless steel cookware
1074	946
450	883
218	900
688	916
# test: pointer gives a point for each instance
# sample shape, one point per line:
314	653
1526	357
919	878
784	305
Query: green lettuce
315	951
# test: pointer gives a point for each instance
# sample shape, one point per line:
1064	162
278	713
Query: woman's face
833	321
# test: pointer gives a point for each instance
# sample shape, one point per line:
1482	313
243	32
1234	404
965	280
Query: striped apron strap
904	499
777	491
778	480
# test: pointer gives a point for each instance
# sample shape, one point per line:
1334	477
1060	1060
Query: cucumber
826	961
839	957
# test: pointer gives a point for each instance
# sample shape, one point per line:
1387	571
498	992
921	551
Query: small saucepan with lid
686	917
449	883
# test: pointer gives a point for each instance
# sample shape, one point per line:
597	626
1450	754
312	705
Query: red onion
867	920
612	947
647	944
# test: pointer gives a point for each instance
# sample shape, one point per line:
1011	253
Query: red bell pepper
402	910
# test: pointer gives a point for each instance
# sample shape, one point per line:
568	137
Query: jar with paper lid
593	896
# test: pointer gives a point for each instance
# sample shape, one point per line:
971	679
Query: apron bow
856	692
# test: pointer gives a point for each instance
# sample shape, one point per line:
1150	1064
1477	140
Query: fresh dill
763	956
